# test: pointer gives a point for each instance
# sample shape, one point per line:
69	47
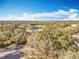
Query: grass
53	42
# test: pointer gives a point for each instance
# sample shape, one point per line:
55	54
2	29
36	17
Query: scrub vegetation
42	40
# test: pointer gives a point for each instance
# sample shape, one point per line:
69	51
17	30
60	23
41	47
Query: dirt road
12	53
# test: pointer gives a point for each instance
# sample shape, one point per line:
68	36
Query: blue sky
17	8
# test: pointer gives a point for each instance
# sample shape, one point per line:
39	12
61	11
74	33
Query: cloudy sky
39	9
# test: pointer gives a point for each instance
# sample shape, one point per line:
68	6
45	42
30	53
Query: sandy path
12	54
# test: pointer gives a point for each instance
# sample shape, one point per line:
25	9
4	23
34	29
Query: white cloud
71	14
73	10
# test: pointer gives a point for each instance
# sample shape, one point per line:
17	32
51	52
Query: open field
39	39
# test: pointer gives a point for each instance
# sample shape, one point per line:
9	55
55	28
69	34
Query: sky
39	10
